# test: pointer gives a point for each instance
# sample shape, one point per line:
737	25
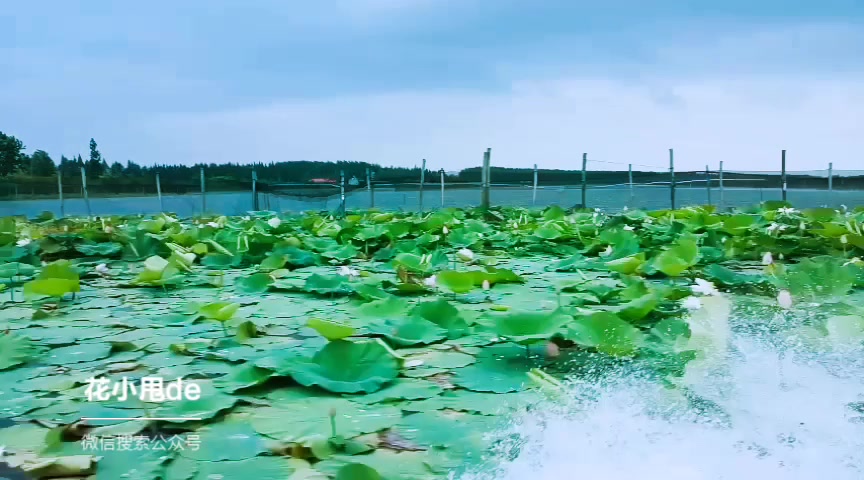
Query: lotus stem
332	422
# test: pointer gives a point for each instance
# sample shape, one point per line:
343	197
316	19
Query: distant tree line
36	174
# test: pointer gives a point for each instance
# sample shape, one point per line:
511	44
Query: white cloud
548	122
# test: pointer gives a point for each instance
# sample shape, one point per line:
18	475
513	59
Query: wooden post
783	173
422	184
672	178
84	191
255	191
159	192
830	183
203	193
584	180
342	191
534	189
487	160
722	194
442	188
708	184
60	193
630	181
369	188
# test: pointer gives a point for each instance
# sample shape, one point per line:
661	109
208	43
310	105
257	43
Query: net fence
603	184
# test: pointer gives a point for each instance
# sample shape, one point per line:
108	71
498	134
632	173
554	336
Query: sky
396	81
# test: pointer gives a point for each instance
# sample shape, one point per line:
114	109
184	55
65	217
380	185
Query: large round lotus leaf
327	284
409	331
500	369
526	328
243	376
303	419
388	464
402	389
460	431
232	440
84	352
210	403
345	367
15	350
259	468
475	402
439	359
442	313
606	332
129	464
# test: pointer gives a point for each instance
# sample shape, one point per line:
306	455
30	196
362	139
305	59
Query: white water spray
786	417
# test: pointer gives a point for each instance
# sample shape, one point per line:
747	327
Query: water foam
784	416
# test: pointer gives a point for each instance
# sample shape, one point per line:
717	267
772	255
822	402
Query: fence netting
603	184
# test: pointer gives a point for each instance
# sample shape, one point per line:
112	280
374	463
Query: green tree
41	164
133	169
67	167
11	158
95	165
116	170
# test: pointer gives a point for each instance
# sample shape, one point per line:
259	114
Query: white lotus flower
102	269
844	239
431	282
347	271
444	230
692	303
486	285
767	259
607	252
775	227
628	228
274	222
108	229
786	211
780	256
855	261
246	218
23	242
802	226
552	350
213	224
465	255
515	225
704	287
784	299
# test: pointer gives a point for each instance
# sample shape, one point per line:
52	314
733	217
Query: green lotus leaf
529	327
457	282
328	285
255	283
371	367
219	311
676	260
500	369
409	331
330	329
442	313
303	419
606	332
15	350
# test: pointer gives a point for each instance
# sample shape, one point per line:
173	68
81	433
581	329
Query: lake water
606	198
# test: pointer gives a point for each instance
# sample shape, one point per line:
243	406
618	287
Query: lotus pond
382	345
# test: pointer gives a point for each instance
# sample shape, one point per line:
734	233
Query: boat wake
767	414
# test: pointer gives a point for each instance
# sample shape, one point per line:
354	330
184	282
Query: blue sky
394	81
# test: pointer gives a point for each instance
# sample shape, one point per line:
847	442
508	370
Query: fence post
84	191
159	192
534	189
722	195
630	181
422	182
830	183
783	173
255	191
584	179
484	203
369	188
60	192
342	191
672	177
708	184
203	193
442	188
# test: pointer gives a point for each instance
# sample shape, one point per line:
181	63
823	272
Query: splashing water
784	416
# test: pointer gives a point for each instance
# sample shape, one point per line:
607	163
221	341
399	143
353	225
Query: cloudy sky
394	81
